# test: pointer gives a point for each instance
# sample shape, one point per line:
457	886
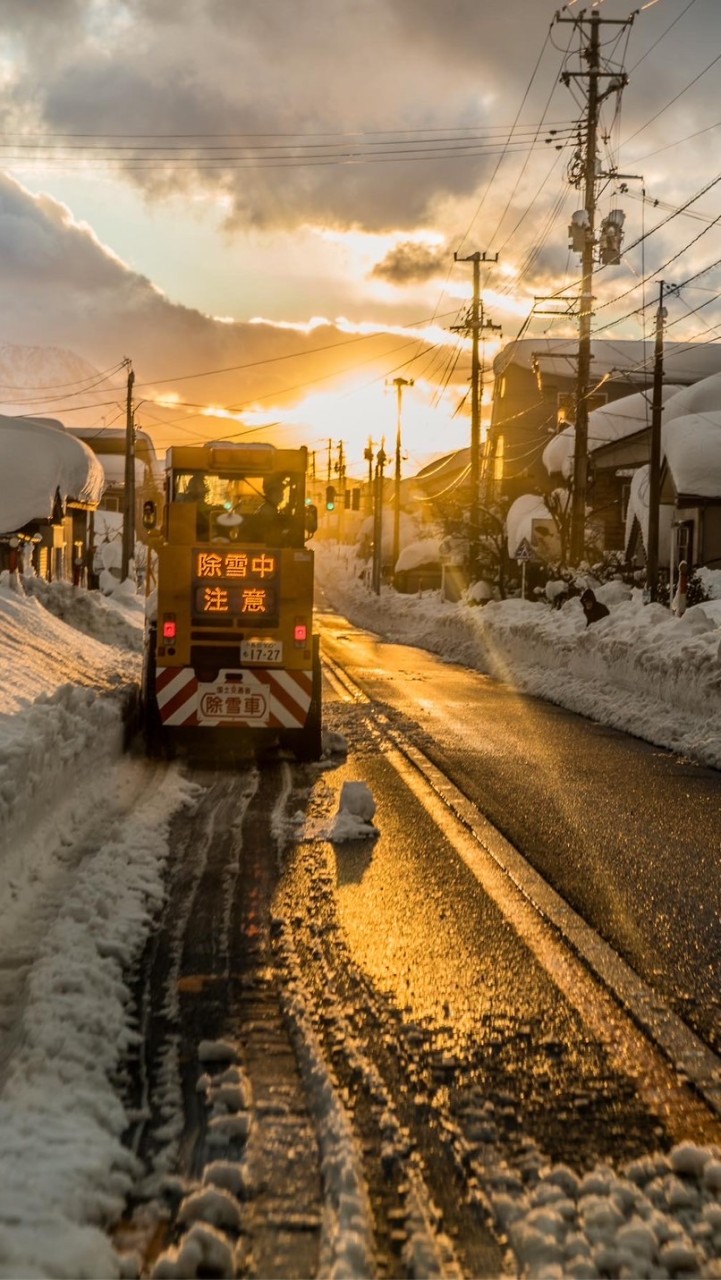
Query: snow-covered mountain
46	381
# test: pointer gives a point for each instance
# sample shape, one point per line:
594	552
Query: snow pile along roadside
65	695
641	669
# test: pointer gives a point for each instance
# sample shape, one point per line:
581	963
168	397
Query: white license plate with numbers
261	651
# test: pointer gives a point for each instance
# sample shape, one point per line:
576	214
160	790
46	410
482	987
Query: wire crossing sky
260	204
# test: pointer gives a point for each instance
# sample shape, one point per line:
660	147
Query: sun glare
369	412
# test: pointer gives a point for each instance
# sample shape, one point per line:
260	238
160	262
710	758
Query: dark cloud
410	262
329	97
353	83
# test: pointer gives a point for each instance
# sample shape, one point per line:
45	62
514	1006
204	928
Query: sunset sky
259	201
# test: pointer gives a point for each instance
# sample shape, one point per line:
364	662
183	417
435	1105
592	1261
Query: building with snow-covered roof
619	442
535	387
691	484
109	445
699	398
49	481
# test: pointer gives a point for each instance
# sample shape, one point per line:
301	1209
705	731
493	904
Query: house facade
534	397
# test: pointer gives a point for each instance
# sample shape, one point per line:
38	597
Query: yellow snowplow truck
230	655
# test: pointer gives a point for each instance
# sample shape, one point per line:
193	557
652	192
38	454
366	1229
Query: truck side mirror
311	518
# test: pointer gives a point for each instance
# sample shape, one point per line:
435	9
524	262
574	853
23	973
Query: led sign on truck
236	583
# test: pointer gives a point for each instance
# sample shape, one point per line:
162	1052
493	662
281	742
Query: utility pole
475	323
654	470
588	176
368	455
128	551
399	384
378	519
340	506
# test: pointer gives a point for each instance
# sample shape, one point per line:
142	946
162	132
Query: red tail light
170	627
300	634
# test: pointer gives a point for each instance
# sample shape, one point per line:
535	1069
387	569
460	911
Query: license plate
261	651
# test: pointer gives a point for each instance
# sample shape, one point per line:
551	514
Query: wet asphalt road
630	835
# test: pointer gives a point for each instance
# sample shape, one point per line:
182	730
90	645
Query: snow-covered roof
623	417
692	447
38	458
613	421
424	551
683	362
699	398
112	440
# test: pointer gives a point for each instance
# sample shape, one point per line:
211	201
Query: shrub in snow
555	591
480	593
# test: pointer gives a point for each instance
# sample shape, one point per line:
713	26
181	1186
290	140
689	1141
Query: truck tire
150	723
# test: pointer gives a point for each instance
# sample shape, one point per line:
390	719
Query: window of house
566	402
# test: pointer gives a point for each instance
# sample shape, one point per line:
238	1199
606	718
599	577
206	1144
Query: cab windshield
249	508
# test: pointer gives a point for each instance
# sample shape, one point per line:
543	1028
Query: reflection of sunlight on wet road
451	968
443	933
505	732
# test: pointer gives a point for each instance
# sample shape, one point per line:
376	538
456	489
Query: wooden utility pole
399	384
654	470
128	550
588	176
475	323
340	503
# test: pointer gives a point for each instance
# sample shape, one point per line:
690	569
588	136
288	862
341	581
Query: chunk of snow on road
203	1251
217	1051
356	810
211	1204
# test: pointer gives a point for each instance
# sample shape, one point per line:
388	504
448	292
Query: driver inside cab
270	523
196	491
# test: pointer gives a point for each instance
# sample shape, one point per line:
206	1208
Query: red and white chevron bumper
249	699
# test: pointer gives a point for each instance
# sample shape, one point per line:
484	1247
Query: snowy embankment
641	670
67	691
82	852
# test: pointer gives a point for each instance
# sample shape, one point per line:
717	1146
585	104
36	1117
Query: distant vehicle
230	653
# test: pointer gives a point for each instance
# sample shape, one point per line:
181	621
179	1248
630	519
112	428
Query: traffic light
330	498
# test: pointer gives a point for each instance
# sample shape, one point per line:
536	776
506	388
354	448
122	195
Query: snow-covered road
85	865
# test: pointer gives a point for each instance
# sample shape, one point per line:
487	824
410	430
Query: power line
675	99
